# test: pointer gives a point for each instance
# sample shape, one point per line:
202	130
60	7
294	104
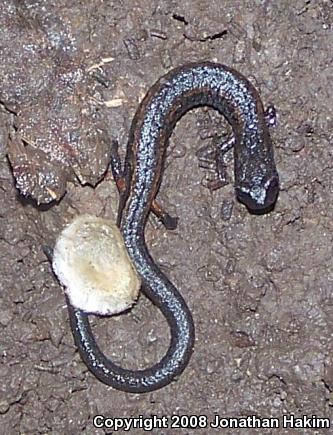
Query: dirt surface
260	287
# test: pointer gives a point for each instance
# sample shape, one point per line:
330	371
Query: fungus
91	262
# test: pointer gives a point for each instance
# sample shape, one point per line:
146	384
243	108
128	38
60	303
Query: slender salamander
256	185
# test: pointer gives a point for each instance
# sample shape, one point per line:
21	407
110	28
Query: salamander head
261	194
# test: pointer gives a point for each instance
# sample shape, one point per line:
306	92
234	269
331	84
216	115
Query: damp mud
260	287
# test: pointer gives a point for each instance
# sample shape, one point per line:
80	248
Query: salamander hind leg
119	177
168	221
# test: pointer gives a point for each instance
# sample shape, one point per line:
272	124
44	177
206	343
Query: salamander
256	185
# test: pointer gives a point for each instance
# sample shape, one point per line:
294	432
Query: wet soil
260	287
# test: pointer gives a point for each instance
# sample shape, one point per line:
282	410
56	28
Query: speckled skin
256	184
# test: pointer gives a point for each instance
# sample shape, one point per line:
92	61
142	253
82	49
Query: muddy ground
260	287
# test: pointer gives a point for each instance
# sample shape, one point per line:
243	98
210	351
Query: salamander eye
272	190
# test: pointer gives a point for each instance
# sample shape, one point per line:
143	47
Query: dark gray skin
256	184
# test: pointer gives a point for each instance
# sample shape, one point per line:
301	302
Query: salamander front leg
212	157
271	116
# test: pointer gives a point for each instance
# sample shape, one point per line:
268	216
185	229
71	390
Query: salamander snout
261	194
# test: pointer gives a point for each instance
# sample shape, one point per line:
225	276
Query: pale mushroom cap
91	262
